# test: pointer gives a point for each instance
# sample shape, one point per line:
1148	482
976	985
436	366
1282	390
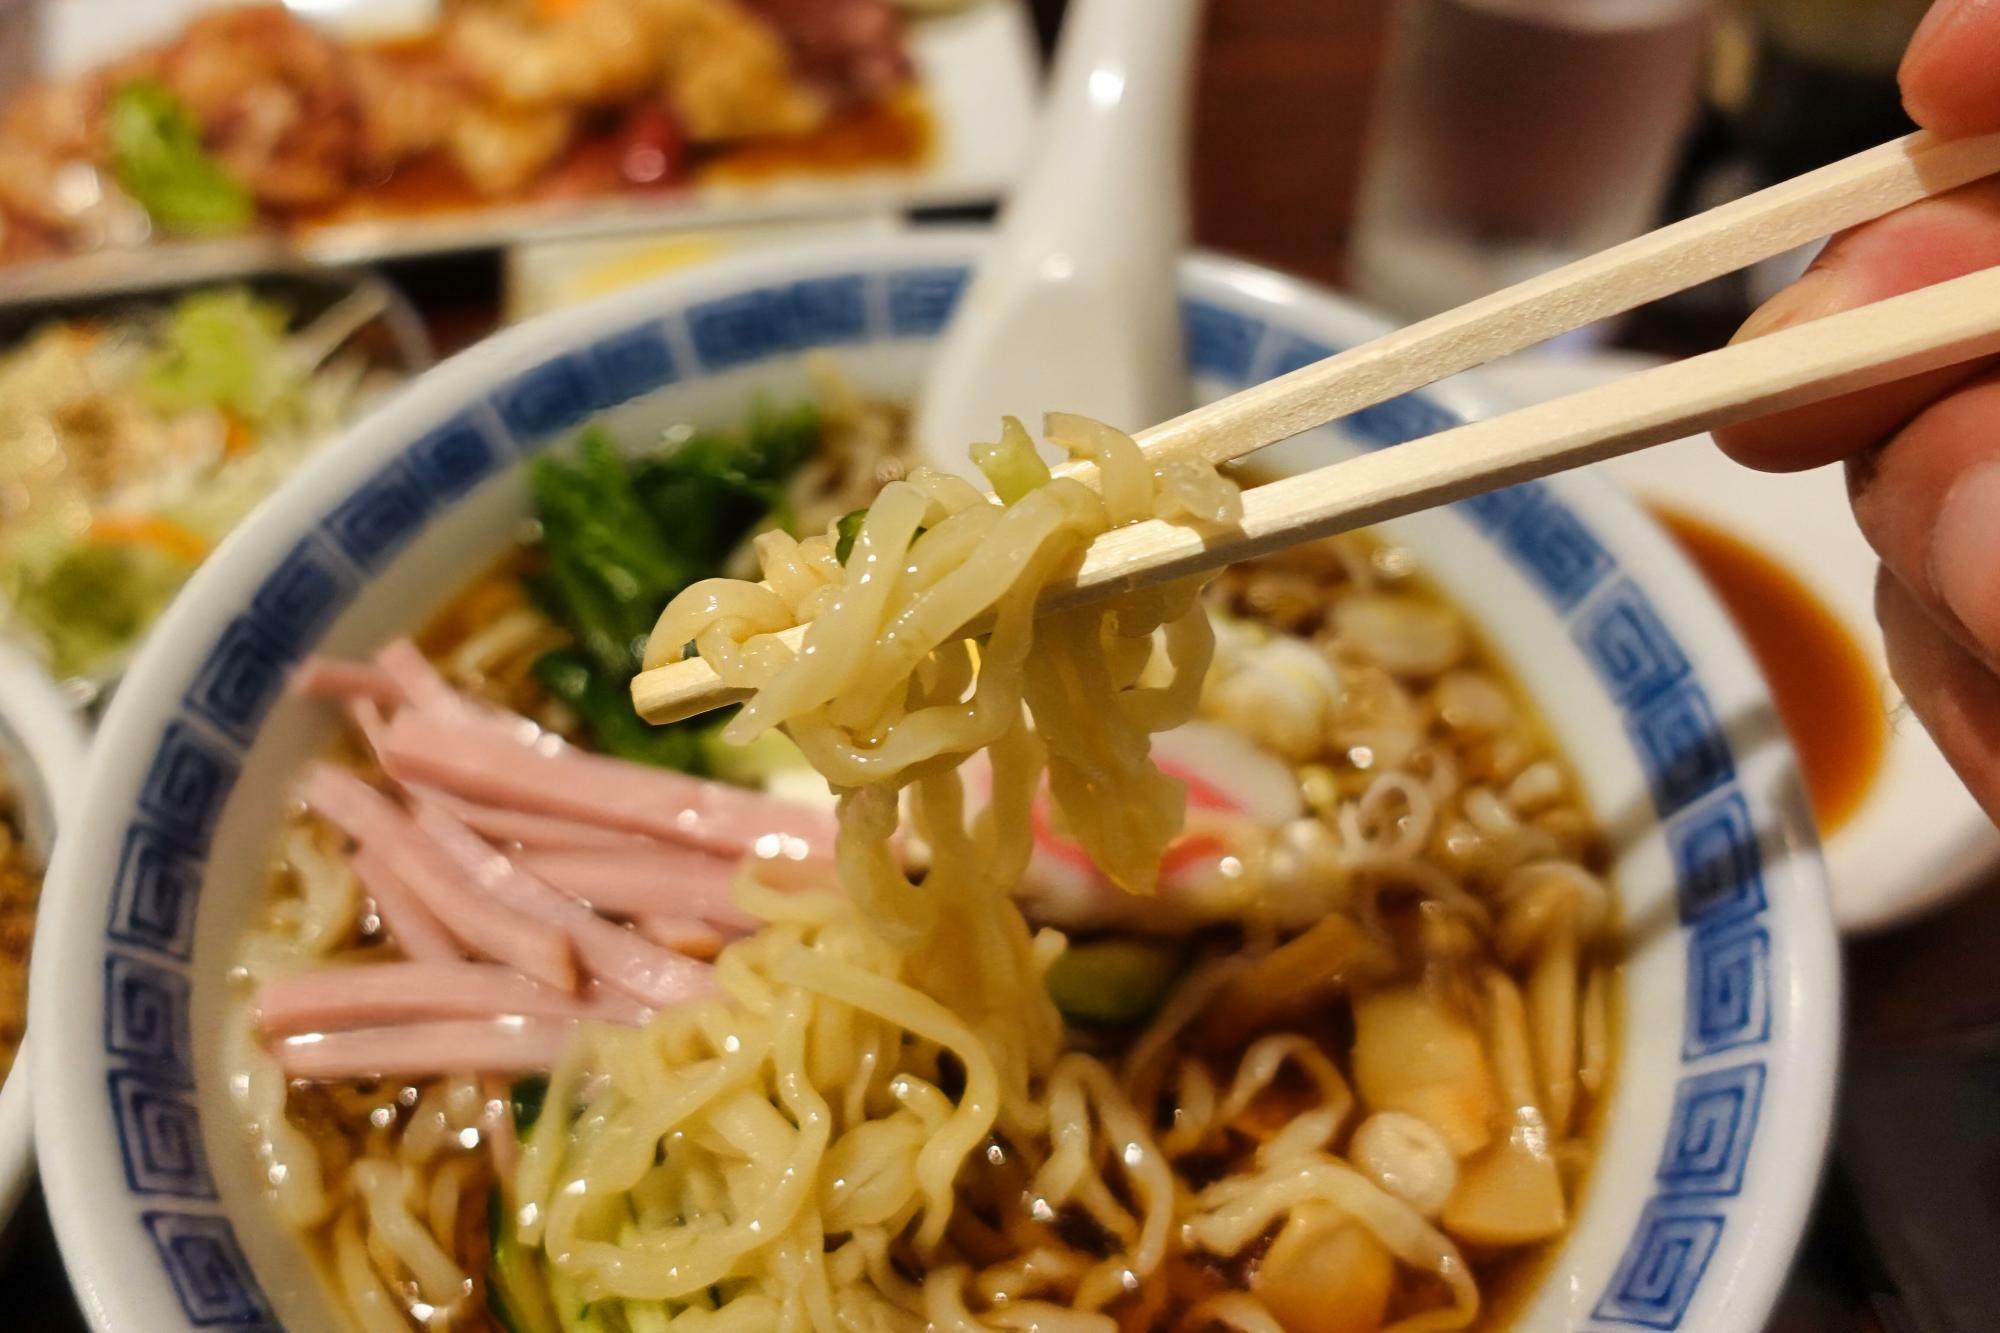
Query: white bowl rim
43	750
98	1255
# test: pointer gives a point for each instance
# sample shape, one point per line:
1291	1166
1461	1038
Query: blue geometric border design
146	1018
1661	1269
159	1135
208	1270
1709	1133
1672	726
1729	988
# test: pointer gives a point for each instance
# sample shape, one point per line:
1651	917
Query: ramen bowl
1726	1058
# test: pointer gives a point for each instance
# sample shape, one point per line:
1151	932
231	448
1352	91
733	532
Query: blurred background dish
136	431
41	765
493	123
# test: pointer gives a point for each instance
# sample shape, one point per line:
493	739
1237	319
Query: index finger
1947	74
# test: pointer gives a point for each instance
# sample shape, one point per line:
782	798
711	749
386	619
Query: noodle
878	1118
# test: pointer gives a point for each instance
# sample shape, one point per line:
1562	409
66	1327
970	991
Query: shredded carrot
556	10
237	437
162	534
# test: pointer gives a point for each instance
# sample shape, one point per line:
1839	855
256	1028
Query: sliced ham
335	678
486	928
367	717
618	956
419	682
332	998
549	777
409	923
521	828
616	1006
419	1050
696	939
639	881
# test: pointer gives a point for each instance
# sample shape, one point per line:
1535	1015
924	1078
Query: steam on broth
1302	1023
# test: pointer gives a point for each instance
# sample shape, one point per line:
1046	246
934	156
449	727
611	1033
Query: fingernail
1965	553
1938	20
1816	293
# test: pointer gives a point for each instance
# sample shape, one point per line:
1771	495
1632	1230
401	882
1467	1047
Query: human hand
1923	454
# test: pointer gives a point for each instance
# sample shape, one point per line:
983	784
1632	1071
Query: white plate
978	69
41	754
1918	839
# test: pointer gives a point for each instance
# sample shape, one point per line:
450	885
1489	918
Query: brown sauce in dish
1826	690
894	135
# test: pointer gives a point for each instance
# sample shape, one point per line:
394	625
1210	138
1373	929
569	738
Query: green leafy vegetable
1120	979
224	349
1014	466
622	537
606	708
526	1097
847	531
157	155
516	1290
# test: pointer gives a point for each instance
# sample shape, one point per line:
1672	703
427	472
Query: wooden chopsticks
1942	325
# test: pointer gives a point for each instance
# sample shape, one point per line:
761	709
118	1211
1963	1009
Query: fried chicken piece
502	148
723	71
603	53
728	74
409	104
275	99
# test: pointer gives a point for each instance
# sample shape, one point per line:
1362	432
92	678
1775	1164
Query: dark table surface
1907	1230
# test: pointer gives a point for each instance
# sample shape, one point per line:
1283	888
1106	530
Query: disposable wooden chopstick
1734	235
1942	325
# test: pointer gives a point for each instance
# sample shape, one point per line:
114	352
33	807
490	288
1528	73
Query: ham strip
419	1050
549	777
333	998
486	928
696	939
524	829
611	952
616	1006
429	693
409	923
640	881
335	678
420	683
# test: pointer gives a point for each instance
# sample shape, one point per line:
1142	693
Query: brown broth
1827	692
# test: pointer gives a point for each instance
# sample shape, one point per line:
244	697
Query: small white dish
1918	839
41	758
978	68
1717	1125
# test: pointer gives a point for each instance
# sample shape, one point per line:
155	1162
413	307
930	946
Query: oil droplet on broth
1825	687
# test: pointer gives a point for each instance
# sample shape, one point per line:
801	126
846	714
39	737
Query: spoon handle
1075	302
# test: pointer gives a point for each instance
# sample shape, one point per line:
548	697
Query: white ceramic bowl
41	759
1727	1058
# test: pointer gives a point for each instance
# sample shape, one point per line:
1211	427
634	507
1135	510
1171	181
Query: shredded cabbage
128	449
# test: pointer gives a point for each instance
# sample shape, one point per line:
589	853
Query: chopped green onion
1014	466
